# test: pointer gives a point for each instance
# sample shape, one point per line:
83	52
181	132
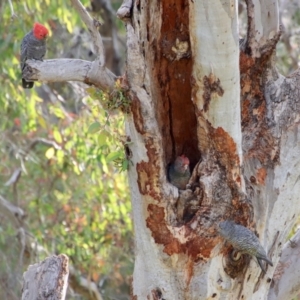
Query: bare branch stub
47	280
123	12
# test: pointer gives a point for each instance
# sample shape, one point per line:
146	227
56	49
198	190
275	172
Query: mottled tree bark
196	90
47	280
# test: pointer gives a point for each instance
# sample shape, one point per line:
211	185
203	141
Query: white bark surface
149	270
217	58
264	24
60	70
270	186
286	279
47	280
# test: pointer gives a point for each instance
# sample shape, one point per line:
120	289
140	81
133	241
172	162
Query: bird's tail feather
27	84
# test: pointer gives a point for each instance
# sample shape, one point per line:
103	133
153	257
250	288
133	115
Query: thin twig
16	213
13	15
92	26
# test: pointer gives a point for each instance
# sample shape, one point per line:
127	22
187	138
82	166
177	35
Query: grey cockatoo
33	46
179	172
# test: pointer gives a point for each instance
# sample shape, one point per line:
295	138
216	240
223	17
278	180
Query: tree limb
59	70
47	280
263	20
92	26
123	12
13	15
14	177
286	279
15	211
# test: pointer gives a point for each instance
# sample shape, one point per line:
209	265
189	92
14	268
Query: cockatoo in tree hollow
179	172
33	46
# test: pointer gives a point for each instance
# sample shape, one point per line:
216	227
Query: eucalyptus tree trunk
197	90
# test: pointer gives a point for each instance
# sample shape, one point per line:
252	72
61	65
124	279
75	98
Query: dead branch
47	280
60	70
16	213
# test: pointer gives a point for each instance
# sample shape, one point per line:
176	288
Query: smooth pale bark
216	65
263	24
286	284
60	70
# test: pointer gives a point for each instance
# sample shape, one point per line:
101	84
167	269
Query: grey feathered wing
24	47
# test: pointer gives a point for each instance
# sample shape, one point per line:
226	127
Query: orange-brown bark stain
225	147
261	175
137	114
148	180
132	296
156	294
196	247
189	271
222	151
257	138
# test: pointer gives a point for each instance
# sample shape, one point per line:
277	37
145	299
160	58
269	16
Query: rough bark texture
166	116
285	282
185	92
47	280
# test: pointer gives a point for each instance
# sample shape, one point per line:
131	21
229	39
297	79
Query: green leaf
50	153
125	164
102	138
113	155
94	127
57	136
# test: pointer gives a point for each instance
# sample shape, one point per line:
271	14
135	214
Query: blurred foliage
288	50
71	153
